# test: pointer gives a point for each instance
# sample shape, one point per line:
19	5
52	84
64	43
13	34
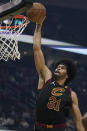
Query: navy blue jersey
53	103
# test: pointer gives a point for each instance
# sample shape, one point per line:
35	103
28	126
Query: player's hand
40	22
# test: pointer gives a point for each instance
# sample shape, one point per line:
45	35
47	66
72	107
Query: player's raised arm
42	69
38	55
37	14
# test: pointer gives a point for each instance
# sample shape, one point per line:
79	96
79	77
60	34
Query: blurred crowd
17	96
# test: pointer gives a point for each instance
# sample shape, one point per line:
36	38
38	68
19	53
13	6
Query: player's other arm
42	69
76	112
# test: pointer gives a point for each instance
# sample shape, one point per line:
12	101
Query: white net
9	32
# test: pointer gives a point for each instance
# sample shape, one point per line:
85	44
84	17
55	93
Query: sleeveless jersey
53	103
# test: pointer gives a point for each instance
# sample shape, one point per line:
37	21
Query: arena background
65	26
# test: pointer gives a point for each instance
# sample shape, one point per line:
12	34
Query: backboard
12	24
9	8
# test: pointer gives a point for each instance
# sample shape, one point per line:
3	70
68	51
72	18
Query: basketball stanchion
10	30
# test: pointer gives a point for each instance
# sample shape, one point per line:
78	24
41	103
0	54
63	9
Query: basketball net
10	30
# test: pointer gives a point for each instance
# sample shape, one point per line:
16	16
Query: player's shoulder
73	93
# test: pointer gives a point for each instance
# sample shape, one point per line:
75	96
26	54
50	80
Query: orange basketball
37	13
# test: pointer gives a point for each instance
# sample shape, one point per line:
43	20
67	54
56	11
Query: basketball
37	13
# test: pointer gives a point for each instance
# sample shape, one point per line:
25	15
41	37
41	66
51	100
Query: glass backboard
10	8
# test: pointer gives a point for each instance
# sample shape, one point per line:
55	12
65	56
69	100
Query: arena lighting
29	39
58	45
78	50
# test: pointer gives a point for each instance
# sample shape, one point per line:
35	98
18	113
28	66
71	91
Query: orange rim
17	16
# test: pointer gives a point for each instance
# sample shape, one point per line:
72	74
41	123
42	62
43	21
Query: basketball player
55	98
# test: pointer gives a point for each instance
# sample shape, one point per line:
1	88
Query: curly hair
71	66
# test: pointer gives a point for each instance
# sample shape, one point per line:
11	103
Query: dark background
67	22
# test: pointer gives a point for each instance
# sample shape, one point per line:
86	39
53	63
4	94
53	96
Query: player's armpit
46	74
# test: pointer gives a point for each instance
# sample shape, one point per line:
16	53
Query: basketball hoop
10	30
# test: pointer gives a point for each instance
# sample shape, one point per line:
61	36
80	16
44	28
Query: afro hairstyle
71	66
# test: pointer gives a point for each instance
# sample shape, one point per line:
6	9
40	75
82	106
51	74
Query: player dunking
55	99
